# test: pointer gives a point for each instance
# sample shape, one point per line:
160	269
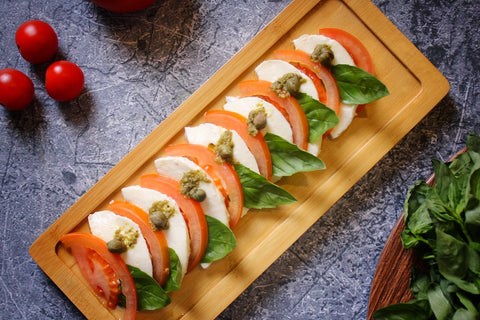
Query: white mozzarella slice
308	43
214	203
104	224
272	70
177	234
276	122
207	134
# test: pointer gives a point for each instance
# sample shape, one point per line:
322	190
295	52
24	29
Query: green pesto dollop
288	85
323	54
123	239
190	185
257	120
224	148
159	213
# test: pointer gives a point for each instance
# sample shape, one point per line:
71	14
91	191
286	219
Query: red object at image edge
123	6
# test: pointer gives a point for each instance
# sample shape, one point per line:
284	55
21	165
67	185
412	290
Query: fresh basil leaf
464	314
439	303
150	296
419	283
288	159
415	309
221	240
320	117
469	305
175	277
357	86
446	185
415	199
258	192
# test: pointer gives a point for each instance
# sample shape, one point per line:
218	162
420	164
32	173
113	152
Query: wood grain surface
415	87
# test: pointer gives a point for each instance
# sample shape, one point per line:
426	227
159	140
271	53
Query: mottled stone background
139	68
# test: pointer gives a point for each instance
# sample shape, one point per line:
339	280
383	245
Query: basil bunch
442	225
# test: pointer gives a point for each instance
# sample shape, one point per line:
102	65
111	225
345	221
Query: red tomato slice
224	173
322	94
257	145
191	210
288	106
81	245
355	48
302	58
156	241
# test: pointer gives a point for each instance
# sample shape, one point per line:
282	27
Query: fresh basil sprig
288	159
357	86
150	296
175	277
221	240
258	192
442	225
320	118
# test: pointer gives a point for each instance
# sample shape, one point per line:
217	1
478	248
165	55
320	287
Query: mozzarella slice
276	122
308	43
214	203
177	234
272	70
104	224
207	134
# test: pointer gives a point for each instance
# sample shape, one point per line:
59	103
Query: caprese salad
183	215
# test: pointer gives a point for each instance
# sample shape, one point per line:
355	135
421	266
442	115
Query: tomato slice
224	173
257	145
93	258
156	241
303	58
191	210
354	47
289	106
322	94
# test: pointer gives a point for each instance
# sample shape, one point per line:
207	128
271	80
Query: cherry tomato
95	261
257	145
16	89
123	6
37	41
64	80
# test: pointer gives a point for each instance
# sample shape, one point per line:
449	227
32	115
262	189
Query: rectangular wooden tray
416	86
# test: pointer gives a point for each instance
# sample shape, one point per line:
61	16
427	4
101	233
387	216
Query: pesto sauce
123	239
323	54
288	85
224	148
159	213
257	120
190	185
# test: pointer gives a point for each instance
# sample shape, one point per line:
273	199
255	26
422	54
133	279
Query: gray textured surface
138	69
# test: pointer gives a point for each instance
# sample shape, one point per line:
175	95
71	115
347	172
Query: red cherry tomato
123	6
64	80
16	89
37	41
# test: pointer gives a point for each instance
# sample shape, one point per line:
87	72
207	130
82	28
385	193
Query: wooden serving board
415	85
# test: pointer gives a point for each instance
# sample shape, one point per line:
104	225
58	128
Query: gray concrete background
51	153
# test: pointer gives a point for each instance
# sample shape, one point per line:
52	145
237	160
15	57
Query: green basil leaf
320	118
150	296
464	314
469	305
440	305
175	277
415	199
258	192
221	240
415	309
357	86
288	159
